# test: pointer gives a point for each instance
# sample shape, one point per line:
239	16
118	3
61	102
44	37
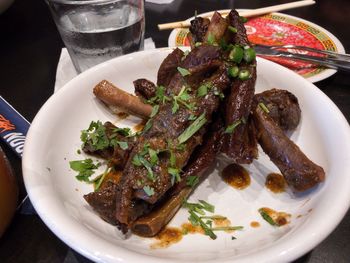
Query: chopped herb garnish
159	97
148	190
153	156
184	72
123	145
243	19
233	126
232	29
182	98
148	166
249	54
136	160
181	147
148	125
78	151
175	175
244	74
192	117
95	136
219	93
122	131
192	129
211	39
264	107
154	111
192	180
267	217
203	89
85	169
197	44
172	158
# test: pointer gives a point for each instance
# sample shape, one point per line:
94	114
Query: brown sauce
236	176
113	177
188	228
275	183
122	115
254	224
280	218
167	237
139	127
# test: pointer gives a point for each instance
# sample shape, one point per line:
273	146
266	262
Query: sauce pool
275	183
236	176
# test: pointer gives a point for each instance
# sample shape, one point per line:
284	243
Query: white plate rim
315	78
277	253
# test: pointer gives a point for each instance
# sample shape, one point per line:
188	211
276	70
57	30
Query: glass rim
82	2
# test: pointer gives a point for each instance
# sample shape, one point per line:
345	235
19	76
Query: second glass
94	31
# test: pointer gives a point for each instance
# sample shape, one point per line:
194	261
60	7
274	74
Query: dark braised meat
201	107
145	88
198	29
299	172
201	160
168	67
164	134
283	107
236	144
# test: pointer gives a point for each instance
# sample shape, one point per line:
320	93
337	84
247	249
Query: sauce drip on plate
275	183
236	176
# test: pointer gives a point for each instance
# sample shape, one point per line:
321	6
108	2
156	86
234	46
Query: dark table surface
30	47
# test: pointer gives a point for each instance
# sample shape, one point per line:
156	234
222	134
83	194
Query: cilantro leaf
192	180
184	72
148	190
85	169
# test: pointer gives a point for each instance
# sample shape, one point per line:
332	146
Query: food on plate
202	106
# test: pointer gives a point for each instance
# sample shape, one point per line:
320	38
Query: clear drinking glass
94	31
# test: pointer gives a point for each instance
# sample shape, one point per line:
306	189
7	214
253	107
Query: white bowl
53	140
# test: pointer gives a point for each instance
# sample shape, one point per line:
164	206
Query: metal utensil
323	57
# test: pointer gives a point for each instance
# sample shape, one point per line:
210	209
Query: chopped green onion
233	71
227	228
207	206
211	39
267	217
148	190
192	129
232	127
232	29
244	74
236	54
192	117
197	44
200	222
98	183
249	55
243	19
214	217
264	107
184	72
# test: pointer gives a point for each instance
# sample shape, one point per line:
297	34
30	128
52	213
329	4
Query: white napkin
66	71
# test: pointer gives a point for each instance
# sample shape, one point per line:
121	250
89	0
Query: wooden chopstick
249	13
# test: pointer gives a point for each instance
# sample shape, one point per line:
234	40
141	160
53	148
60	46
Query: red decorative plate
279	29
